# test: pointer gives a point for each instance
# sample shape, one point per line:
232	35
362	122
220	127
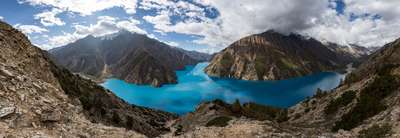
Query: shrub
297	116
116	118
282	116
236	106
179	130
376	131
307	110
219	121
319	93
369	103
345	99
260	112
129	122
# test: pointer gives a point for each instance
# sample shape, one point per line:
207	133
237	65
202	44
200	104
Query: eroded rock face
39	99
273	56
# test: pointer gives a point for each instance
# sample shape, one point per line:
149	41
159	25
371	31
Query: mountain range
132	57
274	56
41	99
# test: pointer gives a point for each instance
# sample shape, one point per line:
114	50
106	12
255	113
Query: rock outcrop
273	56
112	55
40	99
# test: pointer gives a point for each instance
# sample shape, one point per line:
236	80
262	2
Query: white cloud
48	18
1	18
381	26
85	7
237	18
60	40
175	44
108	25
378	22
105	25
30	29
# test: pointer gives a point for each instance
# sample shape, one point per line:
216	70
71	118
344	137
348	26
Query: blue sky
15	13
203	25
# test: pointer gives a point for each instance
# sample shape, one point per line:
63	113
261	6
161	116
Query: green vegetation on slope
219	121
376	131
226	60
346	98
260	62
262	112
370	101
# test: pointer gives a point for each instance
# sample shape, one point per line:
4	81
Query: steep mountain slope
366	104
354	52
39	99
109	55
142	68
273	56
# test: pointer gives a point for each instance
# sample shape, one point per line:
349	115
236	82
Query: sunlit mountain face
204	25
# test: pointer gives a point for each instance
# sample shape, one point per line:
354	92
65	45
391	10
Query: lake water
195	87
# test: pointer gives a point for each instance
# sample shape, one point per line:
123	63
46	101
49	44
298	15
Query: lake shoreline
196	87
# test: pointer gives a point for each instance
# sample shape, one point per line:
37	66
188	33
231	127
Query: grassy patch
376	131
226	60
219	121
289	64
345	99
260	63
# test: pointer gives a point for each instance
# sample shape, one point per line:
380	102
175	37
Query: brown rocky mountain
366	105
274	56
112	55
40	99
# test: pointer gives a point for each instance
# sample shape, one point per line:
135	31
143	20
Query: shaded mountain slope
148	68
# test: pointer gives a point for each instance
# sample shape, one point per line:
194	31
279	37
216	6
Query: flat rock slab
51	116
5	111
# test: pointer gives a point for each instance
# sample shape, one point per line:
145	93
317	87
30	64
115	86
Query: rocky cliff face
112	56
366	104
39	99
273	56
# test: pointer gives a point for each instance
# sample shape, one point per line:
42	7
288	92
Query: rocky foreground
39	99
274	56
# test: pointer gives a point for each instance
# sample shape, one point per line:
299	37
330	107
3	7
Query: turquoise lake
195	87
